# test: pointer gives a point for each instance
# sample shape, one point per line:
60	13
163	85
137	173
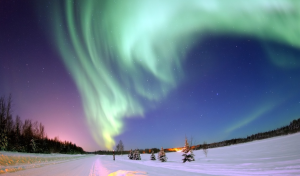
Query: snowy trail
274	156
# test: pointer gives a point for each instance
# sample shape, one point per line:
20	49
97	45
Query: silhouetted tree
28	136
6	122
119	147
205	147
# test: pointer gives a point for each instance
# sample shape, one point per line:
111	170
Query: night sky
150	73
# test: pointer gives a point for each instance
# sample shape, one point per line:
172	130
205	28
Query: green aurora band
126	54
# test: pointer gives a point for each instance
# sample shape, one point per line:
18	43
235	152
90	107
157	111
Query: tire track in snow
98	169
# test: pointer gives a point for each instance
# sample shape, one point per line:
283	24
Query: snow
273	156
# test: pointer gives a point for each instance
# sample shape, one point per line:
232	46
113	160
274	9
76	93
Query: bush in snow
162	156
152	157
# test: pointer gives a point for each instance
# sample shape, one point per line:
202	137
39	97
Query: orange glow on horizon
174	149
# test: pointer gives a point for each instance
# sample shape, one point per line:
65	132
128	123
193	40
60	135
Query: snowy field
273	156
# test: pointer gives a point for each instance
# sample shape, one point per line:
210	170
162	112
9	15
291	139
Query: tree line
28	136
293	127
111	152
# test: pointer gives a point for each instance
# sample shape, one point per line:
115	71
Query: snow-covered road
274	156
81	166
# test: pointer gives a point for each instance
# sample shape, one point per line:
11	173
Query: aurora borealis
229	68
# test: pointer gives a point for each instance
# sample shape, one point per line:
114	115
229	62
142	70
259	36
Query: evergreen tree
4	114
3	139
33	145
186	147
162	156
152	157
16	135
188	152
28	136
136	155
189	156
130	155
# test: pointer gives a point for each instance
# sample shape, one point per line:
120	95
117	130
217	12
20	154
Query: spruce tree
4	113
33	145
186	146
152	157
162	156
130	155
136	155
188	152
3	139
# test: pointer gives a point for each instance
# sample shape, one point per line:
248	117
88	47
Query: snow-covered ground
273	156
